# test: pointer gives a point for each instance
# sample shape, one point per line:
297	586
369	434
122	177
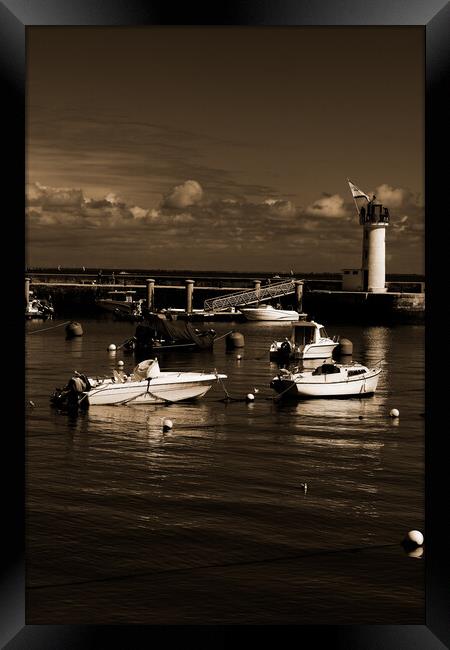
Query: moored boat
308	340
122	305
157	333
147	384
38	308
269	313
328	380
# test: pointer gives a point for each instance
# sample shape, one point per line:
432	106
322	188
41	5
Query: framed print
228	215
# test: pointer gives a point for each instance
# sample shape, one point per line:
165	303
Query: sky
222	148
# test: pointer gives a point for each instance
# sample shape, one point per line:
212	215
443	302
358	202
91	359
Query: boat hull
329	387
270	315
116	306
153	392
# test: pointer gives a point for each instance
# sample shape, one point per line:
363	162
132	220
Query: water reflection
197	416
375	345
74	347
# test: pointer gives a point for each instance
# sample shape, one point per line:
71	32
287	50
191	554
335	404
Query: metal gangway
250	297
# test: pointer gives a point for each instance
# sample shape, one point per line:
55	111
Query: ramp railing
250	297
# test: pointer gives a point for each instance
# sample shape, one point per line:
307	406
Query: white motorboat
328	380
36	308
147	384
309	340
269	313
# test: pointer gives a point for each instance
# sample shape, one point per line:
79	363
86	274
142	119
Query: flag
356	192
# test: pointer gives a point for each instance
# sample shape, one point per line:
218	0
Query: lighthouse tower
374	219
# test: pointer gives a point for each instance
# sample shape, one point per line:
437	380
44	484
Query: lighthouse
374	218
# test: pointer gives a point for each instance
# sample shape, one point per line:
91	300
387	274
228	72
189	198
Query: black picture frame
15	16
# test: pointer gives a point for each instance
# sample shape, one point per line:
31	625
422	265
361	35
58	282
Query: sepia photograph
224	303
230	224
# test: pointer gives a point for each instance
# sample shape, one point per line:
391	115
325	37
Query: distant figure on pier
113	278
99	276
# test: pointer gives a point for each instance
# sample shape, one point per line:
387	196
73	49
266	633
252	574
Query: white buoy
112	347
394	413
415	536
167	424
120	364
239	357
250	397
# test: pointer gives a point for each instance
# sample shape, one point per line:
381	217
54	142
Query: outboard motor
285	351
68	398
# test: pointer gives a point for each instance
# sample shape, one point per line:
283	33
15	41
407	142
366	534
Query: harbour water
209	523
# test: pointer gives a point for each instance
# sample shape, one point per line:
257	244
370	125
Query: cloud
328	206
182	196
239	229
390	197
281	208
51	197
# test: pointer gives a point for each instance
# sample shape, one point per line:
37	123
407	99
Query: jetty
212	297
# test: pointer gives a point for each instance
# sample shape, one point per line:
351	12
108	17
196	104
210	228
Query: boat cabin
326	369
307	332
117	295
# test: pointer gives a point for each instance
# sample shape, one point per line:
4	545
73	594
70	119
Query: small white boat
269	313
38	309
146	385
328	380
309	340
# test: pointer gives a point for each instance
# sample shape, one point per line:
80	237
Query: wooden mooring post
299	295
150	294
257	287
189	295
27	291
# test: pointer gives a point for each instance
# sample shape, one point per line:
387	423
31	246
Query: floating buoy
167	424
31	403
234	340
415	536
120	364
413	540
394	413
73	329
250	397
238	357
345	347
112	347
304	486
360	417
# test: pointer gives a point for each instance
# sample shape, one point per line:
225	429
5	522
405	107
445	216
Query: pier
214	297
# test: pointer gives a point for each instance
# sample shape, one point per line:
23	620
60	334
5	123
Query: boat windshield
304	335
323	333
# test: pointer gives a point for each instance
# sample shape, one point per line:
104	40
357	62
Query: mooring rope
50	328
302	555
223	336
